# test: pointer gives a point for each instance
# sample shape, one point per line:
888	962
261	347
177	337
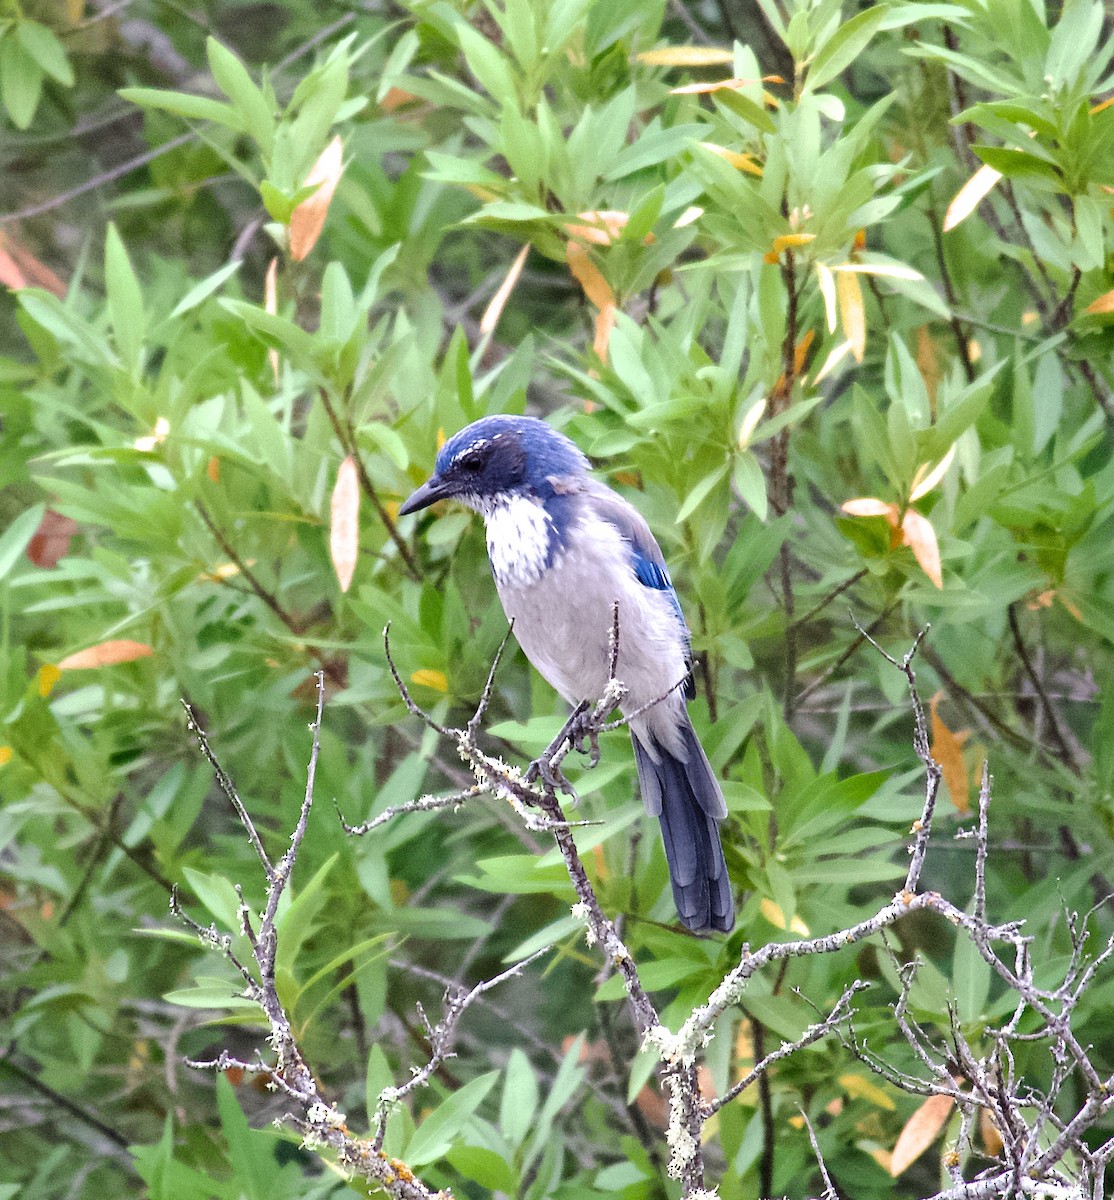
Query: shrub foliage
825	291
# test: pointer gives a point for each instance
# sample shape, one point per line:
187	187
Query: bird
564	550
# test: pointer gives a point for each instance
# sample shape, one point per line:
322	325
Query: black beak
434	489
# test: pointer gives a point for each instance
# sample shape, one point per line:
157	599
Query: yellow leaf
228	570
693	213
861	1088
605	323
695	89
773	913
750	422
498	302
396	98
917	533
686	56
603	226
882	270
920	1131
921	487
437	680
1104	304
155	438
270	304
48	676
1071	606
970	195
588	275
105	654
869	506
789	241
835	357
929	364
344	523
881	1156
741	162
5	755
308	219
826	280
852	314
990	1133
947	748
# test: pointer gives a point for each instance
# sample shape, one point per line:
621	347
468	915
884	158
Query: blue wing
646	556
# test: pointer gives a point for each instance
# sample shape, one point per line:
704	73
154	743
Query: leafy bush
826	293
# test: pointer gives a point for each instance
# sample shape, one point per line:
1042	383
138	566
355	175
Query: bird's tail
685	797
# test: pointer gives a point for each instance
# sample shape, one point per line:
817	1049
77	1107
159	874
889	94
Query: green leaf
250	1151
1018	164
485	1167
745	107
520	1098
233	79
434	1137
275	330
844	46
45	48
1089	250
125	301
217	894
700	492
213	993
16	538
489	66
295	922
21	81
971	975
751	483
62	322
203	290
183	104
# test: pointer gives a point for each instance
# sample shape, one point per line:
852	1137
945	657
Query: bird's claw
551	776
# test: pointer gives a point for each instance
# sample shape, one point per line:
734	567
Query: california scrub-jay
564	548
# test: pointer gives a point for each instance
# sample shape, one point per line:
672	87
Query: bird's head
496	458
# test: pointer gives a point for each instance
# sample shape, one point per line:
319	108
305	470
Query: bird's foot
551	776
583	736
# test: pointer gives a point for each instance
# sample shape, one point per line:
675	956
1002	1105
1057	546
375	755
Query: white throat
518	538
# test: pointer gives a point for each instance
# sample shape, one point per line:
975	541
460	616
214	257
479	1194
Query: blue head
496	458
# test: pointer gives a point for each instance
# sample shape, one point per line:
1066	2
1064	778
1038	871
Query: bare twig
229	789
457	1002
318	1120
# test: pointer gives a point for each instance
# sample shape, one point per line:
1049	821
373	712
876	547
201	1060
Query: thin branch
229	788
319	1121
423	804
412	706
60	1101
1038	686
441	1040
840	1013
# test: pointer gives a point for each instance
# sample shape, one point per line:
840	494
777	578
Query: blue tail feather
688	803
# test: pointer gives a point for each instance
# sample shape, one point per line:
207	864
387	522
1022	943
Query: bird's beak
434	489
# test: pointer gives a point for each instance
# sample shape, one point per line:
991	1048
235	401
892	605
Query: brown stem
1038	686
268	597
780	483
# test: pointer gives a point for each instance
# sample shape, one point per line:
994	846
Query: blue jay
564	548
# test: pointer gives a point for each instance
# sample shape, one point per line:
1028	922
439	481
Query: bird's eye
471	463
